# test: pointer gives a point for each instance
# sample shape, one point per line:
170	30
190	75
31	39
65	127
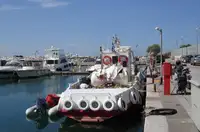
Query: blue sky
83	25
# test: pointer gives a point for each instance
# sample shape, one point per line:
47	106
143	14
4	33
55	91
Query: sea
17	96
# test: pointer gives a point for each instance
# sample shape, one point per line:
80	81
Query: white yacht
16	69
96	66
56	60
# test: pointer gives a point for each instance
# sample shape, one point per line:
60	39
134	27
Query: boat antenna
101	57
117	41
113	44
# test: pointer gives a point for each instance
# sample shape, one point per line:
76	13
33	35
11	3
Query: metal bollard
152	79
154	87
161	80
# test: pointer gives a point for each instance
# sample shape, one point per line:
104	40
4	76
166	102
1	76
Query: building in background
192	50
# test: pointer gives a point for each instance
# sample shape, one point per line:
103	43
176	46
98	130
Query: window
50	62
56	61
13	64
65	66
63	61
124	64
98	62
114	59
27	63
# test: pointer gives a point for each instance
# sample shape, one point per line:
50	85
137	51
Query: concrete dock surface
179	122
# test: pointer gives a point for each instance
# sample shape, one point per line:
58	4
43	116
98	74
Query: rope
162	111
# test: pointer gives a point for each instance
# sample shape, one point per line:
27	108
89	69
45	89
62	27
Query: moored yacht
23	68
96	66
56	60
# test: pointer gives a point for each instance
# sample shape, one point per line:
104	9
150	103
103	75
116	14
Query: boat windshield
13	64
98	62
27	63
52	61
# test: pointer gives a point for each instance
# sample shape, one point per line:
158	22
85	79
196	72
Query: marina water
16	97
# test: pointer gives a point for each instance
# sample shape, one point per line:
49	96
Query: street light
177	43
197	35
182	42
161	59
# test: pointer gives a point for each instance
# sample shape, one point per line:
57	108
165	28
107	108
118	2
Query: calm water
15	98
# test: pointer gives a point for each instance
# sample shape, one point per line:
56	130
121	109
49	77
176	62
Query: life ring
108	105
107	60
68	105
133	97
136	92
83	104
122	104
123	58
139	98
95	105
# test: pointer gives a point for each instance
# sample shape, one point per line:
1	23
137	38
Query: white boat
56	60
23	69
96	66
106	93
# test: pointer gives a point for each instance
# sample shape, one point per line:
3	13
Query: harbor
96	66
24	93
101	93
82	80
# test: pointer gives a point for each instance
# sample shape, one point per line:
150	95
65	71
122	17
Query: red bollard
167	70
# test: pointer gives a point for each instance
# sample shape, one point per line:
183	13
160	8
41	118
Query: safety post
167	69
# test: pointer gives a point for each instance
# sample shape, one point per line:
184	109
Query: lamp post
197	35
161	48
177	43
182	42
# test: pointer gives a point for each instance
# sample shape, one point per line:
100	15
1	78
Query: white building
192	50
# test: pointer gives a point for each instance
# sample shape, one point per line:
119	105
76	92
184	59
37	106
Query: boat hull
32	73
102	115
20	74
6	74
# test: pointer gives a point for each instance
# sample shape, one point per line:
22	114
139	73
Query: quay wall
195	92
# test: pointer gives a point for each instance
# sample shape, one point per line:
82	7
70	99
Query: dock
179	122
65	73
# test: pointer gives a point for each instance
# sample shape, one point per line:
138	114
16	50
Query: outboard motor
41	106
